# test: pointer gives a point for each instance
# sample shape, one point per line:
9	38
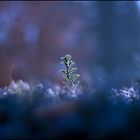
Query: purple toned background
102	37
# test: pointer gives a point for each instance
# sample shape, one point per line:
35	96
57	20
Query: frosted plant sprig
70	78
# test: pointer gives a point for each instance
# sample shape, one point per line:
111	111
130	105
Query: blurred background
102	37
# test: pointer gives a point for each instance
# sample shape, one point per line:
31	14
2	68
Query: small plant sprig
70	78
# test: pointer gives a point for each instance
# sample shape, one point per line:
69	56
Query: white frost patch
18	87
129	94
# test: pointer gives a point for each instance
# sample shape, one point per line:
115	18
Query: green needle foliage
70	78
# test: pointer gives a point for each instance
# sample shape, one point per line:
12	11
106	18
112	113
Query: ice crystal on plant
71	82
69	76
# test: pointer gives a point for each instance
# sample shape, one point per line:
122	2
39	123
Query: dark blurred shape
94	117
